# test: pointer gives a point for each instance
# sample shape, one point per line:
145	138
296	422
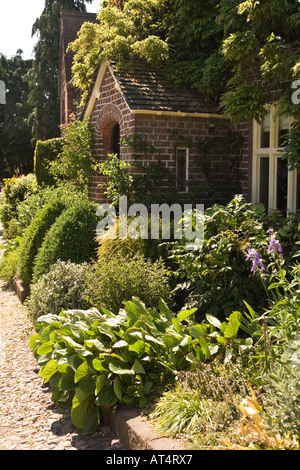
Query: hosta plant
94	358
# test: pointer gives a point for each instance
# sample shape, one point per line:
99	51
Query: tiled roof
147	89
143	88
71	22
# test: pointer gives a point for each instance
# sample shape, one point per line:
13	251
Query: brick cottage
209	158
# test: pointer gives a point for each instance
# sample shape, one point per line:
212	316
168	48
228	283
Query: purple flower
256	260
274	245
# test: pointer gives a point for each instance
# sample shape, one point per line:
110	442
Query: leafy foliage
63	287
200	407
75	162
292	147
120	278
94	358
42	78
261	44
70	238
15	191
45	152
139	181
16	150
9	260
34	203
134	31
217	279
33	238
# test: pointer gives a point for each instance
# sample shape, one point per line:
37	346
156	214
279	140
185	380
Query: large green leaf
197	331
95	343
78	348
233	325
88	384
204	347
84	414
118	388
138	347
48	370
67	382
119	367
213	321
83	371
138	367
45	334
34	341
132	312
45	348
185	314
106	396
100	365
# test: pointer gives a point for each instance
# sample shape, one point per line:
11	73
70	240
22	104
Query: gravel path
29	420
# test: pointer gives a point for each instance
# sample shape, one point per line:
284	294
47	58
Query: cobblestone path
29	420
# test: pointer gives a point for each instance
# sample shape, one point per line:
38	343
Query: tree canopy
43	76
240	53
16	151
126	30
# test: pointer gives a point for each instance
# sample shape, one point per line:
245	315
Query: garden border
135	431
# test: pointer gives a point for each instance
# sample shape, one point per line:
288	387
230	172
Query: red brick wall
216	173
109	109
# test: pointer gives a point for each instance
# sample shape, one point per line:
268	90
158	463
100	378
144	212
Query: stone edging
135	433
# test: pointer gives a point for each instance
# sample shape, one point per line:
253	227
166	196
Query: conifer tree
43	76
16	151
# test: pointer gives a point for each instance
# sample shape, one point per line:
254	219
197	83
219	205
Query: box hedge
33	237
45	152
71	238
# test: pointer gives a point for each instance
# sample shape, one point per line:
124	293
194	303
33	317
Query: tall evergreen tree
43	76
16	151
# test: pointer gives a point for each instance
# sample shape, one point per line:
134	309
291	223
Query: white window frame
186	168
273	152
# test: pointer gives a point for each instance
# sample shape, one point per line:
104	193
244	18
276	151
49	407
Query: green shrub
94	358
217	279
282	397
34	236
71	238
29	208
13	229
201	406
45	152
9	260
113	244
63	287
75	163
15	190
122	277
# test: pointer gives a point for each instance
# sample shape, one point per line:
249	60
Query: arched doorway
115	140
111	138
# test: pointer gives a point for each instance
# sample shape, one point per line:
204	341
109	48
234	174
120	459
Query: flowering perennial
256	260
274	244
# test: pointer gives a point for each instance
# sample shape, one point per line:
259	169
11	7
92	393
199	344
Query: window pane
265	132
181	169
283	130
264	182
282	179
